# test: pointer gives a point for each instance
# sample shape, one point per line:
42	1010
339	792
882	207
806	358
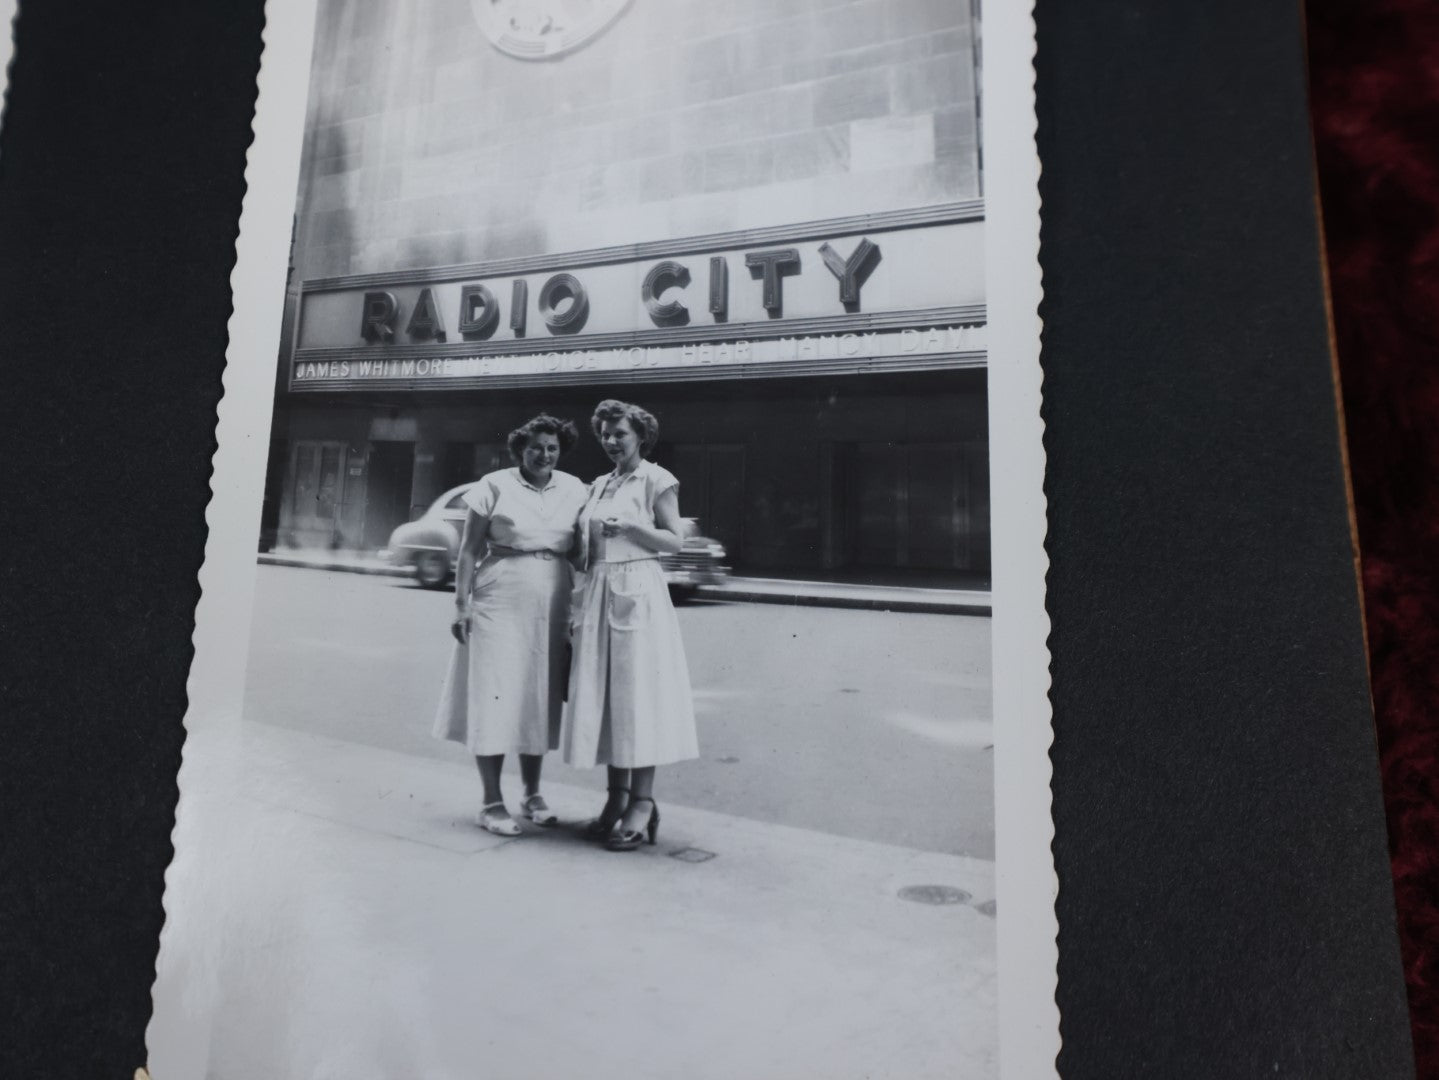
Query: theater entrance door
918	505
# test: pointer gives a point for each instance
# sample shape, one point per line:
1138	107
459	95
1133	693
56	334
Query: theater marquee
902	291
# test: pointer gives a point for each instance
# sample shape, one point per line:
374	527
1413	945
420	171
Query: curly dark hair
644	423
544	424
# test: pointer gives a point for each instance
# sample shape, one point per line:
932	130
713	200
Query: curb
857	603
970	603
269	558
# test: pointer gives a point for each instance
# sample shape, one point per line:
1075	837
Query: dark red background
1374	80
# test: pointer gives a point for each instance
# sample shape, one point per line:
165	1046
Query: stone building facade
448	184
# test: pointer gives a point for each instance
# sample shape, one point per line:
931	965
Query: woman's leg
530	765
534	806
489	766
642	786
619	782
619	785
494	817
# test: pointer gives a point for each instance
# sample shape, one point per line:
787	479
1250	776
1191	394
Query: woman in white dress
505	689
630	706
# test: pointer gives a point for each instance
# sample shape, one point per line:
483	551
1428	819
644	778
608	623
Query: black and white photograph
622	643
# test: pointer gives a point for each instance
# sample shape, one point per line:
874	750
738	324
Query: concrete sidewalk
371	930
746	589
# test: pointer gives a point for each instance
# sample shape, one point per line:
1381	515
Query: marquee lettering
850	348
772	267
425	321
660	278
559	288
519	306
563	304
479	311
853	271
719	288
377	322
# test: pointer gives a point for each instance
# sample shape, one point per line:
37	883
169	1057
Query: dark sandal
599	828
629	839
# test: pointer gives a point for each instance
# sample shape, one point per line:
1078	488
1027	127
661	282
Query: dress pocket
630	599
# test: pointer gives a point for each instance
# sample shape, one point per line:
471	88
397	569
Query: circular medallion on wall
544	29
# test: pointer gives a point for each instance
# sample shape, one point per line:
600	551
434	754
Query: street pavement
865	724
820	901
344	920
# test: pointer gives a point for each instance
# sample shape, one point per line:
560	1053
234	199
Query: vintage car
430	543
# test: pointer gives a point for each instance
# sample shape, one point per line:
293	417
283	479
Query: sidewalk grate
692	854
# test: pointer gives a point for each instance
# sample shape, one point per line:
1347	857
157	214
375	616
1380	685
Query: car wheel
682	594
432	569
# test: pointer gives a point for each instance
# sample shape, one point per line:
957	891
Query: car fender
425	535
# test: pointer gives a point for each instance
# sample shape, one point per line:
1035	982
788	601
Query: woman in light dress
630	706
505	689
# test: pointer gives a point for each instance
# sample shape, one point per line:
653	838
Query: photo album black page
623	539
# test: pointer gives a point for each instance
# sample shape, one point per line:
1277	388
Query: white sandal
491	822
537	810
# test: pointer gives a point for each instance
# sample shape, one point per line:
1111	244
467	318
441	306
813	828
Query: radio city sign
563	302
644	297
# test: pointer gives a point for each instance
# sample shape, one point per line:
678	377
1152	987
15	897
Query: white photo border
9	9
186	990
1026	884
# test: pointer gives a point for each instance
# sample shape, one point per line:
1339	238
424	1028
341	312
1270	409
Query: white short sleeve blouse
634	498
523	517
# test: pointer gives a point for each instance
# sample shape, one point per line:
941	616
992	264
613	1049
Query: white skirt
630	703
504	693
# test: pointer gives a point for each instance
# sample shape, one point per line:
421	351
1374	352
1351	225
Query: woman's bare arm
472	547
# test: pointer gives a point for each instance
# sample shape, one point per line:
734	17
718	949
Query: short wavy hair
644	423
544	424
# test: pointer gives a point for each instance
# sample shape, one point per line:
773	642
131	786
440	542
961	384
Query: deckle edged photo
621	651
